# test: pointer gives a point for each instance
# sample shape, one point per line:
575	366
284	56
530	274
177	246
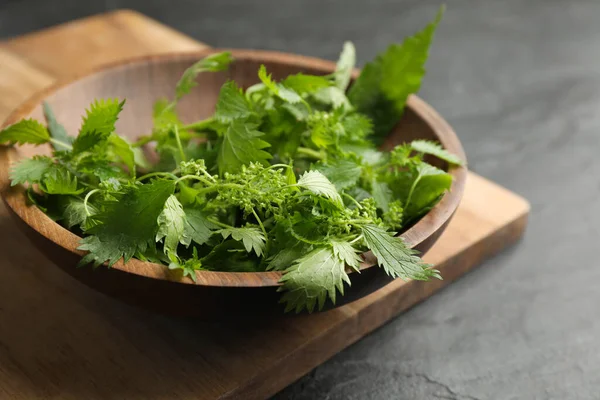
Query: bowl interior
141	82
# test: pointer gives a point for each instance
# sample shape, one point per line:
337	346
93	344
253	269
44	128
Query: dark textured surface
520	83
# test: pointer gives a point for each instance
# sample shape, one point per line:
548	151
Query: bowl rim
14	196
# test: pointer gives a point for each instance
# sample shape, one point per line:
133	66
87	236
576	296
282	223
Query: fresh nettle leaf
232	104
277	89
123	151
197	228
252	238
87	140
435	149
383	87
127	226
164	116
345	65
30	170
357	127
287	256
212	63
429	185
346	253
333	96
58	180
342	173
240	146
188	267
62	141
76	211
382	194
317	183
25	131
101	117
303	84
395	257
171	225
312	278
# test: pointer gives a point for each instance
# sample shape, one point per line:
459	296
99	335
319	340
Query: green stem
195	177
61	143
356	239
310	152
143	140
220	185
356	222
283	187
360	207
85	201
151	174
219	223
270	167
199	125
179	146
259	222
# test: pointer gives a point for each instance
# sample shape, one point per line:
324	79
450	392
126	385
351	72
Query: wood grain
34	61
58	339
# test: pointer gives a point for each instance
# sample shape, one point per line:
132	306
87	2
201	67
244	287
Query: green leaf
333	96
101	117
99	167
127	226
346	253
25	131
357	127
382	194
312	279
232	104
98	124
298	111
57	131
430	184
171	225
384	84
252	238
290	177
345	65
75	213
30	170
325	129
278	90
212	63
301	83
241	145
122	150
87	140
188	267
287	256
197	227
395	257
342	173
164	115
368	154
58	180
317	183
435	149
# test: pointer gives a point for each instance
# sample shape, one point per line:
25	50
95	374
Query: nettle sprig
284	176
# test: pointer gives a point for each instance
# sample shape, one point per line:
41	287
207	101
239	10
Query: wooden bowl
141	81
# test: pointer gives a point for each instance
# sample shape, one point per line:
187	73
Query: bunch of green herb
284	176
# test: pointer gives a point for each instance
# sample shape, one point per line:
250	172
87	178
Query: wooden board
59	339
